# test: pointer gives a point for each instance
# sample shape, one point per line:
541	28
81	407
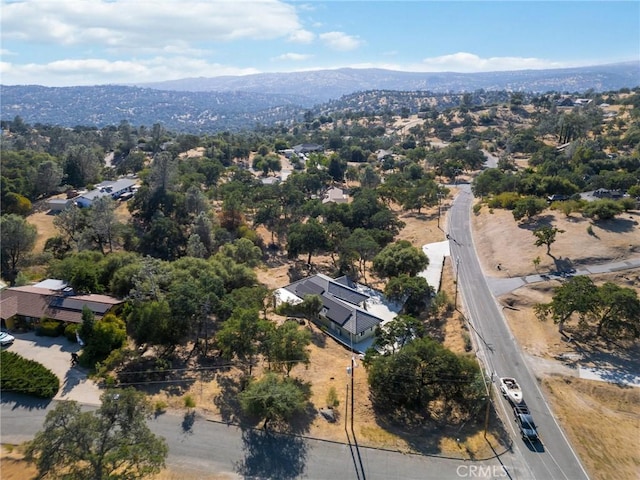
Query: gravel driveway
55	354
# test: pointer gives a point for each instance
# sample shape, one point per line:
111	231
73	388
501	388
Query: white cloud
302	36
468	62
100	71
296	57
129	24
340	41
4	52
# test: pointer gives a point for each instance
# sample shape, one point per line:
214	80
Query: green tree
49	177
617	311
17	239
273	399
546	235
113	442
309	237
398	332
577	295
88	324
364	246
529	207
398	258
415	292
108	334
286	346
240	335
602	209
403	384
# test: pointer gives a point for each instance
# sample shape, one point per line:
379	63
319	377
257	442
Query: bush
506	200
70	332
50	328
332	398
189	402
25	376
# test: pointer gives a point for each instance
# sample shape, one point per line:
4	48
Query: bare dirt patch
499	239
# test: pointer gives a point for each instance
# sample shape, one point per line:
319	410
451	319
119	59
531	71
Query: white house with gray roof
345	307
113	188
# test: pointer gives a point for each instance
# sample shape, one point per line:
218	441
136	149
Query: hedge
70	332
20	375
50	328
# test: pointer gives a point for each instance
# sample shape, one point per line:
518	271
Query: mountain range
241	102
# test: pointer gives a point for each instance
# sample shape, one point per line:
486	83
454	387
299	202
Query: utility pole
455	301
352	390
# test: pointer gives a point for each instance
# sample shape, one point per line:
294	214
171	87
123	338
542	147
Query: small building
115	189
59	204
335	195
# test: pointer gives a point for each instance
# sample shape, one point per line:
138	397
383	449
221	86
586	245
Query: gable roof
341	303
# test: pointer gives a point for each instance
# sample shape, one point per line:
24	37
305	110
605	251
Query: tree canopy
113	442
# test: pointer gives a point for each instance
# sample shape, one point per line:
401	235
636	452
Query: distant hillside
324	85
179	111
238	103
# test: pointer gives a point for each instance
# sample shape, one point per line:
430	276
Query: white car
6	339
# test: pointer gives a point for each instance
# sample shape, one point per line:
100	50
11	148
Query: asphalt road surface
553	458
197	445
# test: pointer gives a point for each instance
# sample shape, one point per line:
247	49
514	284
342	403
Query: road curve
553	458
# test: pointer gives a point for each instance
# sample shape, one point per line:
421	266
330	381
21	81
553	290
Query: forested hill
99	106
208	105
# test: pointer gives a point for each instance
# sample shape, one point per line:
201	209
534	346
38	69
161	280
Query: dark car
525	423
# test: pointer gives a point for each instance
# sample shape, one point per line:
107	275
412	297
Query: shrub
189	402
506	200
332	398
25	376
70	332
160	407
50	328
476	208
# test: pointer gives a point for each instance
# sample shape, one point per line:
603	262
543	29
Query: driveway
55	354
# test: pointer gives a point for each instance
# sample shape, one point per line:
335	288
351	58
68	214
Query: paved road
500	286
553	458
202	446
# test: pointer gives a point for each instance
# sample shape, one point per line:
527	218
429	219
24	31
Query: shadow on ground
272	455
427	436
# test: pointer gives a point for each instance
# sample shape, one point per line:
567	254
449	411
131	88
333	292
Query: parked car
6	338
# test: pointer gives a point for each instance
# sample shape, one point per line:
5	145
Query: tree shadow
187	421
536	222
424	435
228	403
153	374
272	455
72	379
617	225
301	421
20	400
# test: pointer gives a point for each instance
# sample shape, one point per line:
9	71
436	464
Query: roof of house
38	302
108	188
334	195
307	147
341	302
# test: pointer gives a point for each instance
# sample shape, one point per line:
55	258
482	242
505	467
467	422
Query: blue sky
88	42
